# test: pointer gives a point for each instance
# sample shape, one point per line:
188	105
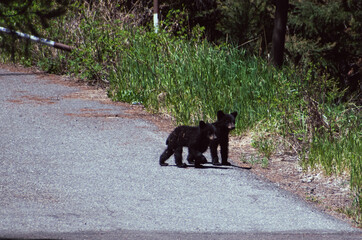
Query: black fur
197	139
224	124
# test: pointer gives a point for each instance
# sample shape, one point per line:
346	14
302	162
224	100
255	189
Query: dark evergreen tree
328	33
202	13
30	15
249	24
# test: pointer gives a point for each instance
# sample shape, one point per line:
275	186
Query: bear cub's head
208	130
226	120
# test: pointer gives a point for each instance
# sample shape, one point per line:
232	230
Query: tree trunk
280	24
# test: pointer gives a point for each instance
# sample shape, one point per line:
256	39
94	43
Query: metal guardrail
37	39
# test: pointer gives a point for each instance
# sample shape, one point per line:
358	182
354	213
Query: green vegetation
179	72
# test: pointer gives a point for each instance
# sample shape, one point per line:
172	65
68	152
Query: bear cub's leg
176	151
166	155
178	157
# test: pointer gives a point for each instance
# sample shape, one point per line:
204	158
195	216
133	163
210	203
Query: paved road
81	169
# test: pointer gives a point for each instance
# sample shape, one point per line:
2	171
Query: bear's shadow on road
211	167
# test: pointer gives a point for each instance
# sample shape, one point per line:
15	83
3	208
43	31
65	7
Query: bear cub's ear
234	114
220	114
202	124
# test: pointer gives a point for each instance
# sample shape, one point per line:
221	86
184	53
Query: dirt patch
33	99
330	194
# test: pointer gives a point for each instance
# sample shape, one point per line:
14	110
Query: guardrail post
155	15
37	39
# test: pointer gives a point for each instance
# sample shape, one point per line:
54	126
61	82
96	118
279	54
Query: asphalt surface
66	172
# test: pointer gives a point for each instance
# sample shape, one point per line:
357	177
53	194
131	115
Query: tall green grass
196	78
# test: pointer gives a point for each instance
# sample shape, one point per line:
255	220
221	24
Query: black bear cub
197	139
224	124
